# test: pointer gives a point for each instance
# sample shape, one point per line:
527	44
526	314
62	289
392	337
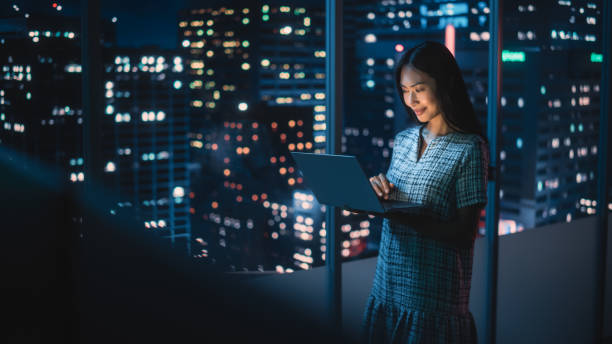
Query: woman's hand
382	186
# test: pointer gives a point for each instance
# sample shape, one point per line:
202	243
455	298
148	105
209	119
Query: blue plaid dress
421	286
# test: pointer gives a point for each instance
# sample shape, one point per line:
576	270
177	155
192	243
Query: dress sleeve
471	187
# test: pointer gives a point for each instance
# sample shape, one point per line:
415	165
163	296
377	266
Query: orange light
291	123
215	205
226	172
291	146
399	48
300	146
282	170
246	150
291	181
239	150
215	146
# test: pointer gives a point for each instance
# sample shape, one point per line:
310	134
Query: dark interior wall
547	284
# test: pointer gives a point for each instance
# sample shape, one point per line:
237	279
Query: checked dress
421	287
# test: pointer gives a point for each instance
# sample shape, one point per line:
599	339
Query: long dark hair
437	61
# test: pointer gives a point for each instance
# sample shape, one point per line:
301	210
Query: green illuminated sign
596	57
513	56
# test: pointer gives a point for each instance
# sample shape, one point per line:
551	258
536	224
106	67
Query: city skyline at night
201	114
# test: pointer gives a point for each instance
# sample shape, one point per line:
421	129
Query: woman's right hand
382	186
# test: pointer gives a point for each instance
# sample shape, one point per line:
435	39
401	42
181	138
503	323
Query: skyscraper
551	111
145	143
144	137
40	98
279	69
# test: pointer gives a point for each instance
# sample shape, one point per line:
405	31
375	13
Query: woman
421	286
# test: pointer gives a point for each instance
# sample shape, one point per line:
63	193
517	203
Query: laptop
339	180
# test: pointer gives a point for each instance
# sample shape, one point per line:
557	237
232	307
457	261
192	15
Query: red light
54	4
449	38
399	48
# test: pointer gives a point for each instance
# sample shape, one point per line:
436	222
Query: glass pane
256	76
145	148
550	107
40	98
376	36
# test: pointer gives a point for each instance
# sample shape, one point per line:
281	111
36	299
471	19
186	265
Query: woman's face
419	93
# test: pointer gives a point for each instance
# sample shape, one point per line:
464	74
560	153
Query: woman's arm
459	231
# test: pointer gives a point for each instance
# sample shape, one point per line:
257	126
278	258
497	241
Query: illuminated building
276	56
245	215
40	103
292	61
145	155
551	111
146	150
218	45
